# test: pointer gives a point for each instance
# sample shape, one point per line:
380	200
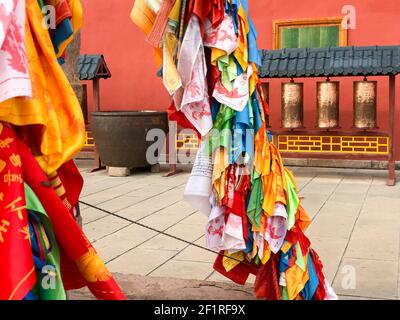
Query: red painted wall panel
108	30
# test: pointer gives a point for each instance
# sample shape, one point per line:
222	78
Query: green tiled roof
91	66
330	62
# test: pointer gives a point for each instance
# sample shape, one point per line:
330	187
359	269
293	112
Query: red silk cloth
80	264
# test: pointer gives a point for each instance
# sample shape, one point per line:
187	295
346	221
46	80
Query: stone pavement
355	229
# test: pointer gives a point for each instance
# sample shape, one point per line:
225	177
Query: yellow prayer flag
54	104
267	253
142	16
230	264
76	22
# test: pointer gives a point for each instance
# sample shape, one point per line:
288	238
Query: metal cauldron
328	104
120	136
365	104
292	105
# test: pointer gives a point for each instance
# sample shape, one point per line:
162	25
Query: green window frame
310	37
309	33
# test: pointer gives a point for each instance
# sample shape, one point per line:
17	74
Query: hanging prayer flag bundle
210	60
43	251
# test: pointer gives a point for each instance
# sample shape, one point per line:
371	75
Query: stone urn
120	138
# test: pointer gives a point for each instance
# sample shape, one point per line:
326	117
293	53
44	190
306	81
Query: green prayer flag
254	208
299	257
285	295
50	288
221	134
228	68
292	202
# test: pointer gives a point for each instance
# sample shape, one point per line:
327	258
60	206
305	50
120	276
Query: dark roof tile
91	66
329	62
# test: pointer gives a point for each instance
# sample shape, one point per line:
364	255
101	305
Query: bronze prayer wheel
328	104
365	103
292	105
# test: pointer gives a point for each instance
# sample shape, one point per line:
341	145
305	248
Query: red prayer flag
84	266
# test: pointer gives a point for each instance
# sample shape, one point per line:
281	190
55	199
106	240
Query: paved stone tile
151	190
357	179
332	226
162	221
140	261
382	207
377	174
188	232
378	241
398	281
312	203
303	176
121	241
339	209
116	191
97	198
375	279
90	214
332	178
163	242
140	189
347	197
197	218
101	180
169	216
301	185
355	189
83	206
333	197
117	204
152	205
319	188
103	227
330	250
385	191
106	183
184	270
192	253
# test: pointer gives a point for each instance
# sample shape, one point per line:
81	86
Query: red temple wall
108	30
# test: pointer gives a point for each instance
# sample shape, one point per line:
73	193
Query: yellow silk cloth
221	163
76	22
262	155
296	279
54	104
230	264
176	11
144	18
171	78
241	53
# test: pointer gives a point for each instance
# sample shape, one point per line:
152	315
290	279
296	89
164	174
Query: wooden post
171	150
78	217
96	105
96	94
392	123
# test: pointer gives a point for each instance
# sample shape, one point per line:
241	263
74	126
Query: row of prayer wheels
328	92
